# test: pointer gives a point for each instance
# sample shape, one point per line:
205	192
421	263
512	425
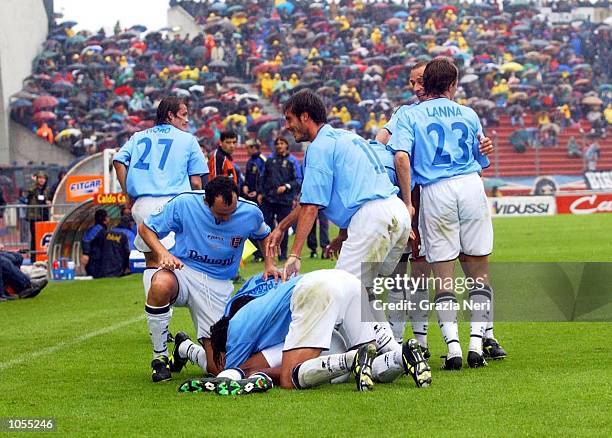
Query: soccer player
441	137
301	314
420	268
210	230
158	163
344	177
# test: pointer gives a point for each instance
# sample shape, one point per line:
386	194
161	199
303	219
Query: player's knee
164	288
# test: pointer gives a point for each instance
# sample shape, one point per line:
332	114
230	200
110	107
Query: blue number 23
442	157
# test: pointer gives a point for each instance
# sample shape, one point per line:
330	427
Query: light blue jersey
160	161
441	138
255	286
260	324
385	155
203	243
341	173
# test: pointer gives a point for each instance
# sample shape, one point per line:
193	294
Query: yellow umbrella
66	133
511	67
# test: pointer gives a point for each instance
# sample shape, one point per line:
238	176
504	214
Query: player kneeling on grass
210	230
299	317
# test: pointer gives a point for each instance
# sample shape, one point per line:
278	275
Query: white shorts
321	301
204	296
144	207
455	217
377	236
274	354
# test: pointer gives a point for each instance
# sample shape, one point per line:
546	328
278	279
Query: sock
419	317
489	331
446	306
232	373
194	352
384	339
397	318
480	303
387	367
323	369
158	319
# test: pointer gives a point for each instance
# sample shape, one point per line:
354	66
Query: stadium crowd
90	90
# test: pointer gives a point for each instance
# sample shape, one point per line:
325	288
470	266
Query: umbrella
485	104
198	52
180	92
592	116
68	24
218	7
68	133
62	86
42	116
468	79
112	52
520	95
539	43
583	67
93	48
266	129
20	103
185	83
393	22
255	125
98	113
354	124
197	89
401	14
44	102
139	28
75	39
218	64
592	100
551	127
511	67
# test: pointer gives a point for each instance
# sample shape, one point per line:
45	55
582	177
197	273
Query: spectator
91	258
573	150
38	200
253	170
592	155
45	132
60	176
279	185
221	161
13	282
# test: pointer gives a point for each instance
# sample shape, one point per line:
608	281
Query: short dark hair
306	101
220	186
170	104
228	134
281	138
419	65
100	216
439	75
218	331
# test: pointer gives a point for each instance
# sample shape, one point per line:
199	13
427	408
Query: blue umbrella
401	14
218	7
21	103
565	67
286	7
356	124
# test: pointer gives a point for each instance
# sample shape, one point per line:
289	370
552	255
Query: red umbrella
43	116
449	8
265	67
124	89
44	102
175	68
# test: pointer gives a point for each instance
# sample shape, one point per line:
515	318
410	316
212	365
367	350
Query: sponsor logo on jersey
213	237
193	254
236	241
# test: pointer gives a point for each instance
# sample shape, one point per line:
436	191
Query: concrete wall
27	147
180	18
23	29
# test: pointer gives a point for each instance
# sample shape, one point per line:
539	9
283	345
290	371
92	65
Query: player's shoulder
188	197
246	205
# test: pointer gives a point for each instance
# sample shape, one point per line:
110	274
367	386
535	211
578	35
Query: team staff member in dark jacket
38	195
115	251
279	185
253	171
91	259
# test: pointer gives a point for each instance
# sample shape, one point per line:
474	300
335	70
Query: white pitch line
62	345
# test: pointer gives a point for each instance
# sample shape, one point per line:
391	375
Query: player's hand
272	271
168	261
333	249
274	240
281	189
259	199
486	145
292	267
411	210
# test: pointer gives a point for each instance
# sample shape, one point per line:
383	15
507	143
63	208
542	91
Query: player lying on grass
210	230
301	315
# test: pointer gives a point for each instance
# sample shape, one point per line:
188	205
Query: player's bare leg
446	308
163	289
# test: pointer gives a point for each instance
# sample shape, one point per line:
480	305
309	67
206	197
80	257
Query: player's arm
402	170
166	260
121	170
383	135
276	236
196	182
306	219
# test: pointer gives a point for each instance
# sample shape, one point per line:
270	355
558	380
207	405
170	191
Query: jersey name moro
204	259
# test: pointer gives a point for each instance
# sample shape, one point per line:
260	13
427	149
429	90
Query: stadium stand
94	90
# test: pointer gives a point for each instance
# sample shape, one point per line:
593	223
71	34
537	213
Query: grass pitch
80	353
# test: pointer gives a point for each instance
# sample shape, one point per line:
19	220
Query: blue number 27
166	142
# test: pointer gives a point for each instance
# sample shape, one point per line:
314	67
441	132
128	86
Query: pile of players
275	330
